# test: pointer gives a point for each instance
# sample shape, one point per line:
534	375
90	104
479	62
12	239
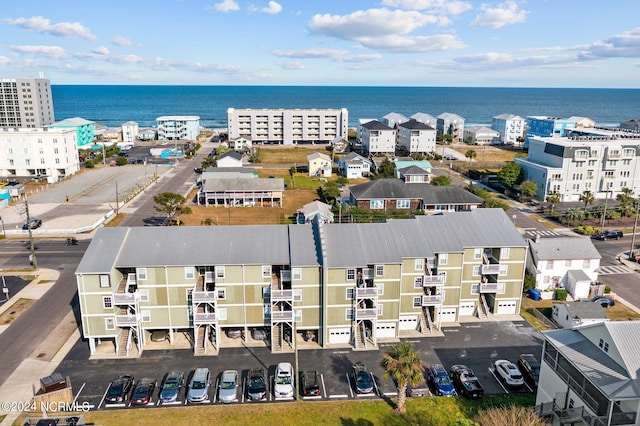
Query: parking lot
476	345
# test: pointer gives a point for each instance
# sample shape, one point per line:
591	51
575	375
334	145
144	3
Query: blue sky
534	43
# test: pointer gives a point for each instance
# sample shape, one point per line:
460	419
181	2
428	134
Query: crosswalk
533	233
617	269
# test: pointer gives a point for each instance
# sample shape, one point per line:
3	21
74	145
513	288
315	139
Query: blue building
85	129
547	127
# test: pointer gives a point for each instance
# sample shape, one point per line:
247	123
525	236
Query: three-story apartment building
345	284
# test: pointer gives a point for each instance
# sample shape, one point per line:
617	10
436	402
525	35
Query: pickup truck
465	381
310	383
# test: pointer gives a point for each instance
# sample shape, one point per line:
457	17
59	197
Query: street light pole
604	212
633	234
32	246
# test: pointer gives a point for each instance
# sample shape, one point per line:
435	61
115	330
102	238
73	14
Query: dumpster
534	294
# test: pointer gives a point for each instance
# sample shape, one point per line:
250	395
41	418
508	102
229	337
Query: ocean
114	105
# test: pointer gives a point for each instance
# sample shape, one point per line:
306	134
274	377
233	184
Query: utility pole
633	234
117	205
604	212
32	257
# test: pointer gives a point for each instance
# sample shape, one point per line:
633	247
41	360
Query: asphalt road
30	329
623	284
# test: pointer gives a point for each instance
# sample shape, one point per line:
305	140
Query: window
55	150
546	280
105	281
189	272
107	302
417	302
351	274
477	253
141	274
297	315
549	264
603	345
376	204
417	282
222	293
219	271
266	271
419	264
144	295
348	314
443	258
380	288
503	270
567	262
379	270
109	324
146	316
296	274
380	310
477	269
505	253
403	204
586	263
350	293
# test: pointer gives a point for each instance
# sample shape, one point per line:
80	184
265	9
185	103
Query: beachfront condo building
178	127
416	137
601	161
328	284
511	128
130	131
288	126
85	130
25	102
450	124
376	137
40	153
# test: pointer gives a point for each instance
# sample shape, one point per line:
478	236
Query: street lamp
633	234
604	212
4	233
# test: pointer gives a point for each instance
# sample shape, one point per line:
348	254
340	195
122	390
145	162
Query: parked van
199	386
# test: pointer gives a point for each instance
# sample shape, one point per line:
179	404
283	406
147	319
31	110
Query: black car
310	383
603	301
143	392
198	170
361	378
32	224
257	386
609	235
119	389
529	367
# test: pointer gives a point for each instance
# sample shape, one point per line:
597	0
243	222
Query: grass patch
489	153
115	221
46	281
621	312
15	310
297	155
423	411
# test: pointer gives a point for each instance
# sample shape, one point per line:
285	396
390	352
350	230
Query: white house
393	119
480	135
589	375
178	127
415	137
564	262
576	314
377	137
425	118
354	166
130	131
230	159
450	124
240	144
511	128
319	164
49	153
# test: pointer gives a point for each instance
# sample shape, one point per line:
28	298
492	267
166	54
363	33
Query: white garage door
339	335
507	308
409	322
467	308
385	330
448	315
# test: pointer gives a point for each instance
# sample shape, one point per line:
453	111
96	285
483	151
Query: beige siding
336	316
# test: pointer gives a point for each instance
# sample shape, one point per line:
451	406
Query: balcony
435	299
204	318
366	313
430	280
490	269
281	295
488	287
277	316
126	298
204	296
366	292
127	320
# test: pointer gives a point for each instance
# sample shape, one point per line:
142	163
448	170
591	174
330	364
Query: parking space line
338	396
375	384
390	394
324	389
105	395
244	382
215	392
78	394
498	380
272	390
349	382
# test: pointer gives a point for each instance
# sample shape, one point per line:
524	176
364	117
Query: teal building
85	129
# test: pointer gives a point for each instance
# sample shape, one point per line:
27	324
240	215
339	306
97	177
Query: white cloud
122	41
291	65
53	52
506	13
4	60
438	6
372	23
360	58
273	8
226	6
63	29
310	53
101	50
414	44
625	45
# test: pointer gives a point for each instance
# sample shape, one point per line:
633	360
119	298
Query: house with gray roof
450	124
480	135
632	125
377	138
578	313
230	159
315	210
589	375
347	284
393	119
319	164
241	192
354	166
564	262
425	118
416	137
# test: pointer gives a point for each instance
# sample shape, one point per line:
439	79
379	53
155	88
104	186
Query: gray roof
232	154
227	173
320	155
354	157
413	170
375	125
425	118
415	125
315	206
508	117
617	381
75	121
563	248
103	251
360	244
243	184
585	310
449	116
578	275
396	188
302	249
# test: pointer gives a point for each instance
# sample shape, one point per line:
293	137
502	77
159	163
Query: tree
471	154
386	169
330	191
121	161
528	188
553	199
625	197
441	181
587	198
511	174
208	162
168	203
403	365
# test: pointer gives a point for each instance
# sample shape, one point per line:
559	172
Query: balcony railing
366	313
429	280
366	292
488	287
204	296
125	298
434	299
204	318
492	268
127	320
281	295
281	316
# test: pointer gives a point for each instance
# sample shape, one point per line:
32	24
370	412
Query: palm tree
587	198
402	364
553	199
471	154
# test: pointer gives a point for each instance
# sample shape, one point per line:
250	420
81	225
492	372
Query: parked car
309	383
171	387
605	302
421	389
234	333
529	367
32	224
199	386
259	334
143	392
257	386
449	157
119	389
508	373
439	381
609	235
228	387
198	170
361	378
465	381
283	386
159	335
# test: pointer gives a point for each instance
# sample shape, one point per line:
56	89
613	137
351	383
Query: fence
539	315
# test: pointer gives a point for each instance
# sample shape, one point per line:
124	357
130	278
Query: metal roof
585	310
363	244
396	188
302	247
243	184
318	155
103	251
559	248
375	125
416	125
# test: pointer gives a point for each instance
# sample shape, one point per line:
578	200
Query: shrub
561	294
89	164
208	221
121	161
529	282
586	230
607	289
186	210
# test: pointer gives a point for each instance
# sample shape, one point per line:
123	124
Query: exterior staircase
360	339
483	308
201	341
123	351
276	338
422	324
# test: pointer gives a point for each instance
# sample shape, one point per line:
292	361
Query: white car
508	372
283	386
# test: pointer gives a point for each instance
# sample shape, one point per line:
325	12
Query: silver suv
199	386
